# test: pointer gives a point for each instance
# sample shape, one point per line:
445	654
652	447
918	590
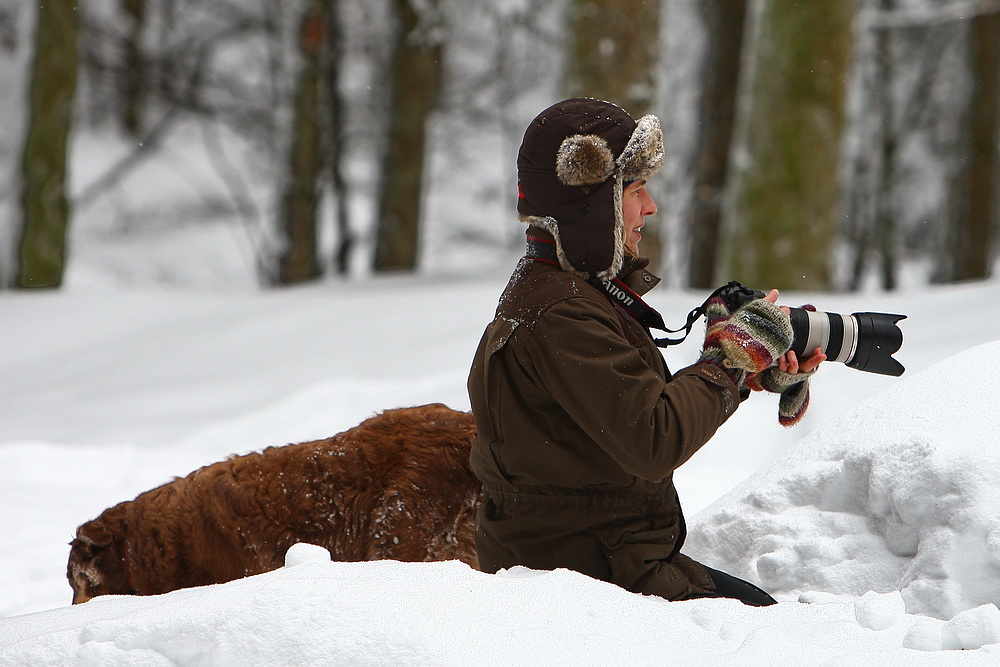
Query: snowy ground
889	486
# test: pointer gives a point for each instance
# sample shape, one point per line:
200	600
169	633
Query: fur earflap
643	154
550	225
584	159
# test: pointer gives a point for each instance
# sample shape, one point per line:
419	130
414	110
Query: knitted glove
746	341
793	389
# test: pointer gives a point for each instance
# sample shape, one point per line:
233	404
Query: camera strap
618	292
694	316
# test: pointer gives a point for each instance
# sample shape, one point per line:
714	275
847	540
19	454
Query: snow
314	611
898	494
873	522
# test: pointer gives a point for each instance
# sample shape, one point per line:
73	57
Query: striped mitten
746	341
793	389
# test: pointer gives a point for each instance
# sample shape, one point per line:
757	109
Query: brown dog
397	486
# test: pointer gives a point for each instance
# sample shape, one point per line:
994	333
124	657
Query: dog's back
397	486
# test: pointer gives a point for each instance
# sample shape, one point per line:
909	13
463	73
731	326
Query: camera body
736	295
865	341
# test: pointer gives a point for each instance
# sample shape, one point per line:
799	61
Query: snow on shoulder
900	494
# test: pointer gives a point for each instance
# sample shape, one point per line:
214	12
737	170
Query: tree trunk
133	71
785	199
724	23
886	242
974	200
45	206
299	261
613	54
414	87
869	224
338	146
614	51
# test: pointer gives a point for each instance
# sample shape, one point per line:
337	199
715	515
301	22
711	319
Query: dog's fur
397	486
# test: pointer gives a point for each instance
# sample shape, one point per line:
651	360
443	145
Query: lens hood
878	339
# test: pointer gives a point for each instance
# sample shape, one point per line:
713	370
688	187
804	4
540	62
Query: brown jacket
580	427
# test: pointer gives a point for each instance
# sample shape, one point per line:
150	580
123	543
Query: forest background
822	145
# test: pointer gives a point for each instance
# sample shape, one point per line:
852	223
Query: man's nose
649	206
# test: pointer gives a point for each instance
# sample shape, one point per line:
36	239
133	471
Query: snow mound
445	613
877	611
969	630
300	554
900	494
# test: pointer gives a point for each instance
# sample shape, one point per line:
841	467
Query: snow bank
901	493
885	513
314	611
895	496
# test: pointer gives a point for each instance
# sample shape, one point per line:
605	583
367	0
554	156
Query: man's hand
790	362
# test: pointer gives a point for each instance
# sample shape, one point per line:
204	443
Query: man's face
636	205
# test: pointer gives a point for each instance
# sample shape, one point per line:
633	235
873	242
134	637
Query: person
580	423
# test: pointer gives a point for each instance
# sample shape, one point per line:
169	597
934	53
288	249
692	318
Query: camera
865	341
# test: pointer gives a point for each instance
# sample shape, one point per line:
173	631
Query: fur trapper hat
573	159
